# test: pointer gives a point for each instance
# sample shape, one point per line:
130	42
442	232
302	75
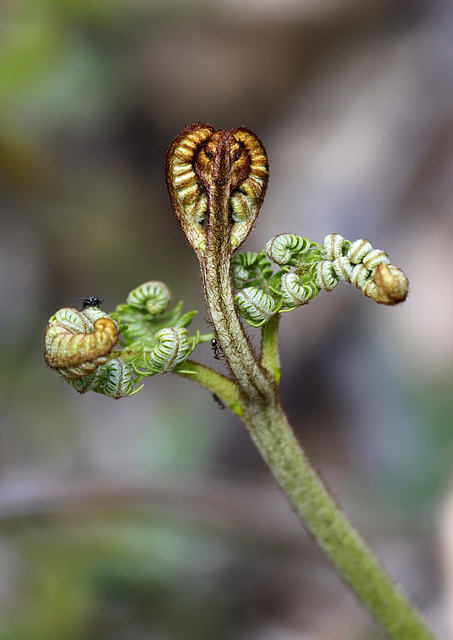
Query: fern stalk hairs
217	182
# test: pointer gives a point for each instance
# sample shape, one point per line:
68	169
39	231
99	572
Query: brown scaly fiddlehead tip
78	342
204	167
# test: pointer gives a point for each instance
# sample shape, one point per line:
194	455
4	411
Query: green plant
217	181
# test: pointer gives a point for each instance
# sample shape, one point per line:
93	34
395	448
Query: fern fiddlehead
286	249
79	344
307	268
366	268
154	296
172	346
114	379
255	305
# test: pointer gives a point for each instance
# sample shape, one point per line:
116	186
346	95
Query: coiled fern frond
145	314
287	249
366	268
79	344
172	346
154	296
305	269
113	379
297	290
255	305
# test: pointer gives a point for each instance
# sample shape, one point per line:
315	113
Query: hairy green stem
270	355
310	499
224	388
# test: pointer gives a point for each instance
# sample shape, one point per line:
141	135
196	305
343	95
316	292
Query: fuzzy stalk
356	564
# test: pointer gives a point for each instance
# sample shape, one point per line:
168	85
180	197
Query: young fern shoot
217	181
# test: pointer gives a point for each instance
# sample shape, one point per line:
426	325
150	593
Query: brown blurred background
152	518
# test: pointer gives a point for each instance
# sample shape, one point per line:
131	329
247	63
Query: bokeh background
152	517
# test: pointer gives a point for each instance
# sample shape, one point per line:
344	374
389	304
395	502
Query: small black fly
91	301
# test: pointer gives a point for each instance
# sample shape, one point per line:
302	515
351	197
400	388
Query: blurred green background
152	518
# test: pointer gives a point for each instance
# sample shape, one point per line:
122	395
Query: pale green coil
154	296
285	247
172	347
255	305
